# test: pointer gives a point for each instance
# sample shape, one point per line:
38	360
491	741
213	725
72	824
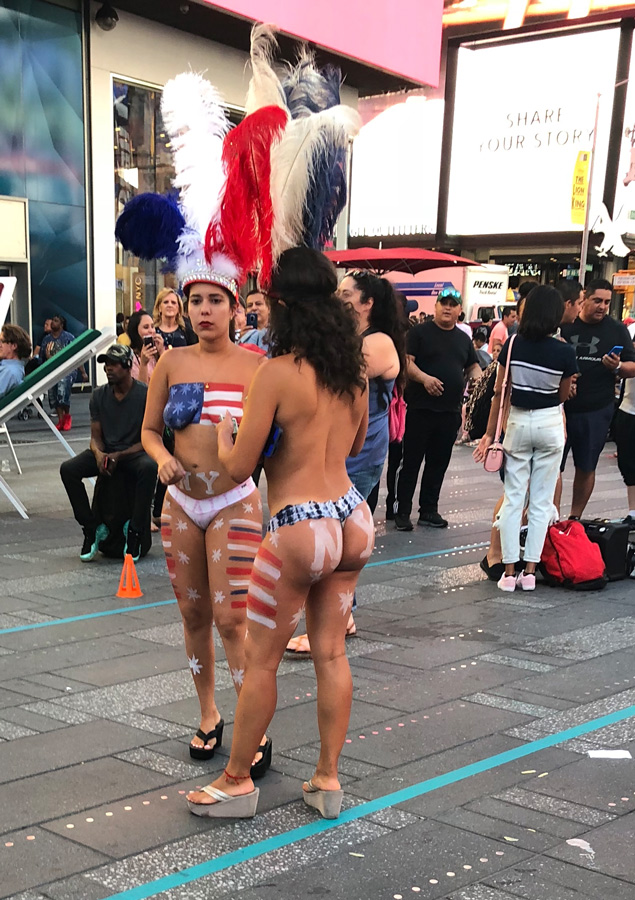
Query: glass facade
42	150
143	162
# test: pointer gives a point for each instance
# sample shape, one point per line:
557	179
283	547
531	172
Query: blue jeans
59	396
366	479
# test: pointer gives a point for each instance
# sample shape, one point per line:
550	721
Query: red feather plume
246	214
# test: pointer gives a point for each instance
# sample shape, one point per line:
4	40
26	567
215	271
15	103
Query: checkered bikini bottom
312	509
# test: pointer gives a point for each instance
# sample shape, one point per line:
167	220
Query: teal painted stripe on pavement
260	848
387	562
125	609
97	615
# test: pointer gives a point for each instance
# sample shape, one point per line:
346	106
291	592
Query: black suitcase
612	538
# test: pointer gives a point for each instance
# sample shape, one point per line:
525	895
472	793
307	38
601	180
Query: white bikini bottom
202	512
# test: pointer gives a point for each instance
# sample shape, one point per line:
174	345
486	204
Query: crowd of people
315	408
319	383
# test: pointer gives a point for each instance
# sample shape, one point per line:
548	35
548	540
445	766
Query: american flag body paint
218	399
203	403
261	605
243	540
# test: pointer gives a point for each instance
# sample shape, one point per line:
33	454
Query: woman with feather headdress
313	394
211	523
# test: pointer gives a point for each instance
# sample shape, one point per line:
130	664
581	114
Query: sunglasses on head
449	294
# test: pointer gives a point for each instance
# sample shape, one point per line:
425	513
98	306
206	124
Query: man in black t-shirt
594	334
116	416
440	356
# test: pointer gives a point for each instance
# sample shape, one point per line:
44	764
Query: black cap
117	353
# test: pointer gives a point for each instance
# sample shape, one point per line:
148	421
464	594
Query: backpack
571	560
396	416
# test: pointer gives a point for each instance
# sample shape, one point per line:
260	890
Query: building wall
141	51
147	52
42	152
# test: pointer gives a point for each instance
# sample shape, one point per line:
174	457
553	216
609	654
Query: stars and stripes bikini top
202	403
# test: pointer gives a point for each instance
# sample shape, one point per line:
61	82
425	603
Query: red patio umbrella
399	259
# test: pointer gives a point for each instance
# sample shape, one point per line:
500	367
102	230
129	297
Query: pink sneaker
507	583
526	582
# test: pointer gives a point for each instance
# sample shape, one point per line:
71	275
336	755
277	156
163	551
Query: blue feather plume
311	90
326	196
150	225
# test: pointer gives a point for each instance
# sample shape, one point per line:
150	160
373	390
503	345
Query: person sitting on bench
116	416
15	349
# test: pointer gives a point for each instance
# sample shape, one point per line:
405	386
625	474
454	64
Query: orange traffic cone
129	583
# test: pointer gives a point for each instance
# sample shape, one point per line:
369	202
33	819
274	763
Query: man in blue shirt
59	395
15	349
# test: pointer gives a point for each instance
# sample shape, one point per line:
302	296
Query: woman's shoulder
380	352
248	358
378	339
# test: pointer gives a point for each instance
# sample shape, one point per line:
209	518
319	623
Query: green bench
87	345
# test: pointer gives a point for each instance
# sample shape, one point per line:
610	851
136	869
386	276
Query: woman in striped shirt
541	372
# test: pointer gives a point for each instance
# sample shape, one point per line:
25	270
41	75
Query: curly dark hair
387	314
312	323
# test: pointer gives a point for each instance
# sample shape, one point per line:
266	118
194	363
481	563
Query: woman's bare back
319	430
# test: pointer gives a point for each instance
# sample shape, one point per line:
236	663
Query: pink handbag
495	455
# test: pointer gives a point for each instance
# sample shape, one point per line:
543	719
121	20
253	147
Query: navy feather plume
326	196
150	225
311	90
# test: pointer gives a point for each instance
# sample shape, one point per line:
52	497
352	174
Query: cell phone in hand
252	320
273	439
148	341
616	350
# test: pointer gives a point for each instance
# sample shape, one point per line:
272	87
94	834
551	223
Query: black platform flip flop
260	768
201	752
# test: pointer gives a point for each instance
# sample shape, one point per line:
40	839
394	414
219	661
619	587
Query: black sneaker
92	539
432	520
89	547
133	542
402	523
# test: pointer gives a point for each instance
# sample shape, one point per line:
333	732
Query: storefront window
143	162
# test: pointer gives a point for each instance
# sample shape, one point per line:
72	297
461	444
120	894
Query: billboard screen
523	112
401	36
395	177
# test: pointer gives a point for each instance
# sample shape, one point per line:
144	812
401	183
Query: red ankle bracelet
236	778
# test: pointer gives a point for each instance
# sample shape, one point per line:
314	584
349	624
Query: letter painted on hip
209	479
328	542
362	517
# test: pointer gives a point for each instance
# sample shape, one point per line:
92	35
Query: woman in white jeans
541	370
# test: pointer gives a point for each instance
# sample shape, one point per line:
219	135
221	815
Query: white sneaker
526	581
507	583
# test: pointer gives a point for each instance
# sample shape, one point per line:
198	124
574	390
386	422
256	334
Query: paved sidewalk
96	713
